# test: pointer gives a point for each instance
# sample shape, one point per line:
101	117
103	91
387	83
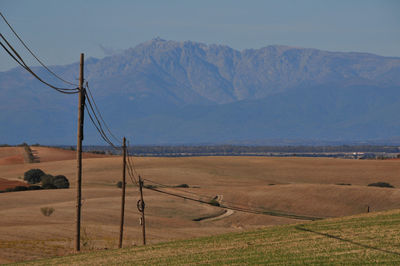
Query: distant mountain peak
158	39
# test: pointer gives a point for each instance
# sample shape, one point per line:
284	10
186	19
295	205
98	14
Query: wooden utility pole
81	107
141	209
121	229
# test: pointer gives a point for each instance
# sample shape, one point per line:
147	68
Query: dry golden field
300	186
11	155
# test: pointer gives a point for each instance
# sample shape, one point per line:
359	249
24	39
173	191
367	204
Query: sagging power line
30	51
232	206
17	58
97	123
99	113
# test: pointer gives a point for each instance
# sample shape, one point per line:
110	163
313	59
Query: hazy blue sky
58	31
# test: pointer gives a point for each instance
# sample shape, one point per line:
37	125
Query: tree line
236	150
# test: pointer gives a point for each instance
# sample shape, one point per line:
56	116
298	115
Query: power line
132	164
176	188
101	117
233	206
240	209
131	171
131	168
15	55
186	191
98	126
23	43
98	122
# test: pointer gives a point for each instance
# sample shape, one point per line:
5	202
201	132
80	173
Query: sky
58	31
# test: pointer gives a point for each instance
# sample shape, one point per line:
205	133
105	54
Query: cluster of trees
40	180
48	181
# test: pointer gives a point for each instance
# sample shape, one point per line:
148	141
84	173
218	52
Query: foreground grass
366	239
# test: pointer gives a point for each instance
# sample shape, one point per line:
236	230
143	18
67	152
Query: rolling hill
167	92
274	191
355	240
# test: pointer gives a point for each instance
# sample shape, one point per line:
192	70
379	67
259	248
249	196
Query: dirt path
217	216
226	213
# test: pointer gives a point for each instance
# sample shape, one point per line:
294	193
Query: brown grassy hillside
302	186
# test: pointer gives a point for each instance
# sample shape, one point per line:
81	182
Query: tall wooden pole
142	205
121	229
81	108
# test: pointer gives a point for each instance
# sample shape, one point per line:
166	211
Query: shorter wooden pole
121	229
142	205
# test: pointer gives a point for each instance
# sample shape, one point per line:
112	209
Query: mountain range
168	92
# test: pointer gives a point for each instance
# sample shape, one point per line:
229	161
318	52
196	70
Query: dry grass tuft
47	211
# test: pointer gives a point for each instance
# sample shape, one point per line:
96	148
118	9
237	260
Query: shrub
47	211
86	241
380	184
214	202
60	181
33	176
343	184
183	185
119	184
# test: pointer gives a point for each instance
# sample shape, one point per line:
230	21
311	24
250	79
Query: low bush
183	185
54	182
119	184
380	184
47	211
214	202
60	181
